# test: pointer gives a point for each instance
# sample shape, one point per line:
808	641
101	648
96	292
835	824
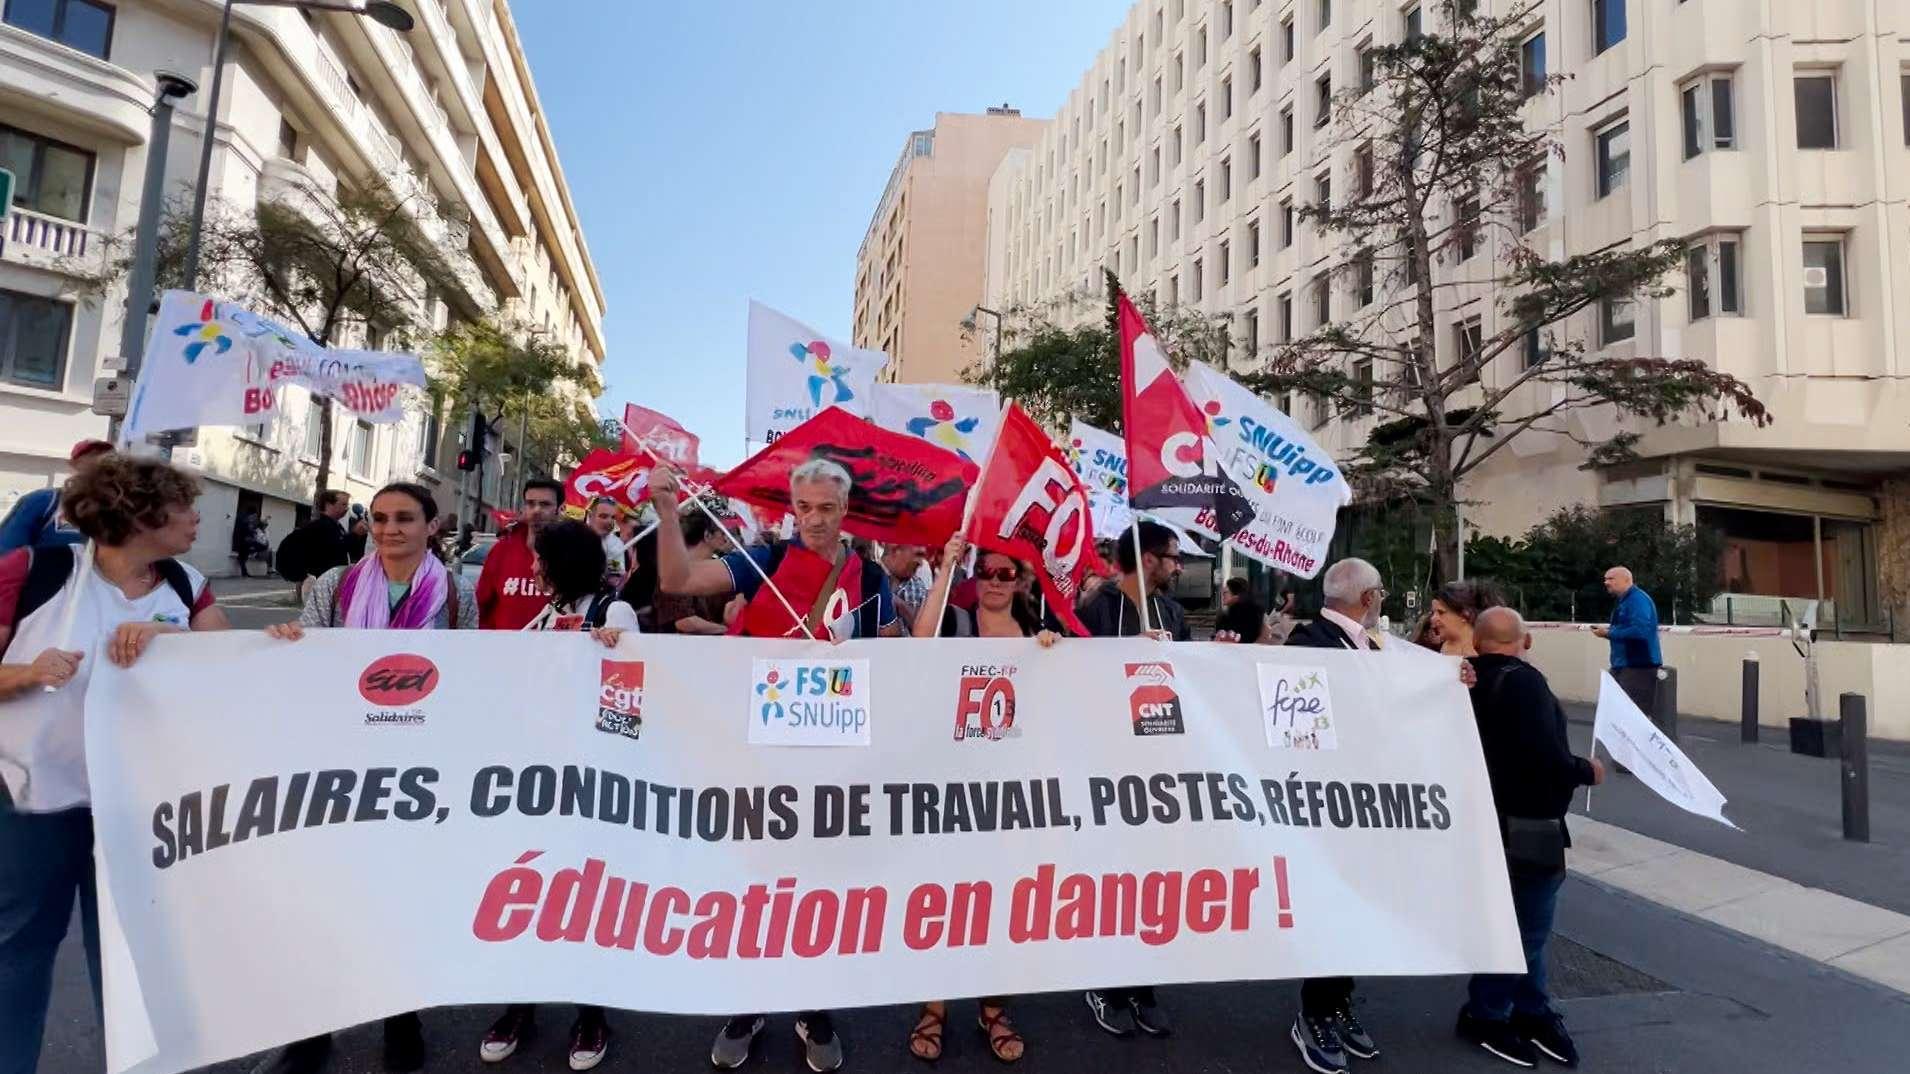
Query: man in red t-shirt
507	590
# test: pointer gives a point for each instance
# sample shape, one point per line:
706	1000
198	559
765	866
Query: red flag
904	489
1030	504
659	434
1171	462
624	478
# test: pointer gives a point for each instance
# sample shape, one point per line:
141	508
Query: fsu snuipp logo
398	680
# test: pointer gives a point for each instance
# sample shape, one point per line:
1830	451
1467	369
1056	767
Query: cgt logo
1154	703
398	680
620	698
985	704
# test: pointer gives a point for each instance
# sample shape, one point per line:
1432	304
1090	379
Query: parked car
471	564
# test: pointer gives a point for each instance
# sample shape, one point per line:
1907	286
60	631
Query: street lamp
168	87
994	342
383	12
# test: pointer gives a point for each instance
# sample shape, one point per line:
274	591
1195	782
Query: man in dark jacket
1534	775
318	545
1114	611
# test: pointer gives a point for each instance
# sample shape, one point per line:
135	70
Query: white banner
1635	742
214	363
438	818
1101	460
1296	487
963	420
795	372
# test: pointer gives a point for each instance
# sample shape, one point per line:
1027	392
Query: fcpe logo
620	698
1151	697
985	703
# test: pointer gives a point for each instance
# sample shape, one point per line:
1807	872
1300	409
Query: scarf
364	598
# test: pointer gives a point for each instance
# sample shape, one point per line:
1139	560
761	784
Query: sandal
1006	1035
928	1031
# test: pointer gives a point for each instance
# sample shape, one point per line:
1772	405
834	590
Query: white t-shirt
571	616
42	734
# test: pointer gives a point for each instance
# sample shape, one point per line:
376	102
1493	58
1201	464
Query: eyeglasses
999	574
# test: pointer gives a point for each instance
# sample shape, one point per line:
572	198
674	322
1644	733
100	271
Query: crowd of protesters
689	575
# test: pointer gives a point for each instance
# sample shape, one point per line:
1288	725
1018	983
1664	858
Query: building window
433	433
1253	71
1824	275
1730	285
1180	73
1323	100
34	333
314	428
1465	223
1226	263
1226	180
1323	191
1173	145
288	140
1363	387
1326	13
1614	156
1705	108
1322	301
1226	20
1253	156
1253	332
49	177
1608	24
1154	104
1173	289
1468	339
1368	68
1286	40
1199	271
1286	223
1173	221
1154	167
1363	170
1153	236
1615	321
1284	307
1412	22
1531	179
1200	123
83	25
1535	351
1816	96
1363	277
1226	99
1532	64
1200	200
1253	244
1286	130
1200	48
1697	283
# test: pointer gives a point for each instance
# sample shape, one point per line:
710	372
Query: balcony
48	242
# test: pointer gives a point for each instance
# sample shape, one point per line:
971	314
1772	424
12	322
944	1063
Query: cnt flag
1172	462
796	373
660	434
1030	504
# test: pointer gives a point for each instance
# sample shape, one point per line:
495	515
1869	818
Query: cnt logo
397	683
1154	703
620	698
985	703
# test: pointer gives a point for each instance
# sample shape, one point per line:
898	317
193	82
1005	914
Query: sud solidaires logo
620	698
396	684
810	703
1151	695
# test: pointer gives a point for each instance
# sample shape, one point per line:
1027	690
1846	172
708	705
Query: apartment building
444	115
919	269
1772	139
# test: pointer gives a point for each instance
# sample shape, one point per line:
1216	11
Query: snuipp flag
796	372
963	420
658	433
904	490
215	363
1101	460
1030	504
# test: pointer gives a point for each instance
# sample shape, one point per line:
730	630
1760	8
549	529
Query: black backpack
868	616
289	560
50	567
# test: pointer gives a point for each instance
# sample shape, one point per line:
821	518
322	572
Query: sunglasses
999	574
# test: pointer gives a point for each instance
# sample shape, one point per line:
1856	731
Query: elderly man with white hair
826	591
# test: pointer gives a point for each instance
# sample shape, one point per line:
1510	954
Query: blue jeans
1496	997
46	859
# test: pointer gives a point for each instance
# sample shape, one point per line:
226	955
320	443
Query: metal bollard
1747	730
1856	783
1665	703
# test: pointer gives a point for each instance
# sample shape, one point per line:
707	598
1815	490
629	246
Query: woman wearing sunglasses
1002	610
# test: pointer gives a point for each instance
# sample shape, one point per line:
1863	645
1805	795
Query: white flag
216	363
1296	488
963	420
1101	460
1635	742
795	373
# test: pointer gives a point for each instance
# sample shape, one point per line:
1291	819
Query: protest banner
903	489
215	363
1295	487
417	826
963	420
795	372
1639	746
1101	460
660	434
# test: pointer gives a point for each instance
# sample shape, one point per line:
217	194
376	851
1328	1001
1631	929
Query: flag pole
968	515
1140	579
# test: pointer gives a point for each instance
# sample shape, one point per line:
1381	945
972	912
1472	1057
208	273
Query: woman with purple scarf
402	586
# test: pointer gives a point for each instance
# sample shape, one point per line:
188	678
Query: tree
1443	170
1556	570
519	371
1058	366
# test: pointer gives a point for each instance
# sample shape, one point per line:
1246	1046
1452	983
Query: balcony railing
43	241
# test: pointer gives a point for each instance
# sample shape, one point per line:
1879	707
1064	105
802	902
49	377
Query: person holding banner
62	610
508	595
1534	774
1114	611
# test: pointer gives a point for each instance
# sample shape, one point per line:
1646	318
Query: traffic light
467	460
476	443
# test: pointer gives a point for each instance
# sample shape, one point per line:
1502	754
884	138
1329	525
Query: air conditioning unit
1816	277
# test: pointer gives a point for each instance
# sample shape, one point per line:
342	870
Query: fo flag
659	434
1171	460
904	490
1030	504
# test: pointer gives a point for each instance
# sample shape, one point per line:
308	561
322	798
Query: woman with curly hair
58	619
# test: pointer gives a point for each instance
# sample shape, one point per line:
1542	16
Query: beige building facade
1772	139
444	115
920	267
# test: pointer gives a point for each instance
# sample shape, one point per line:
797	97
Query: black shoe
1149	1016
1546	1032
1115	1017
821	1048
732	1046
1319	1042
1353	1036
1497	1038
404	1043
299	1057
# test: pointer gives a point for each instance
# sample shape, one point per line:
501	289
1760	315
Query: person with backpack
569	564
401	585
836	593
317	546
35	518
59	619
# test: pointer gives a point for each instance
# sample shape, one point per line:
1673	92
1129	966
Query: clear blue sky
723	150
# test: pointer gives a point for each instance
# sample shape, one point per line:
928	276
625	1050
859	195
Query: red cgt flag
624	478
658	434
1030	504
904	490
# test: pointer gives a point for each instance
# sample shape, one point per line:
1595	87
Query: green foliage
528	380
1556	570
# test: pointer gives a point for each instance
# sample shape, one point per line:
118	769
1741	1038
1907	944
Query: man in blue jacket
1634	636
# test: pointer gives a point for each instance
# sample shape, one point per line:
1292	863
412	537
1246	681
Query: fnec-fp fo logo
985	703
1153	700
810	703
620	698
